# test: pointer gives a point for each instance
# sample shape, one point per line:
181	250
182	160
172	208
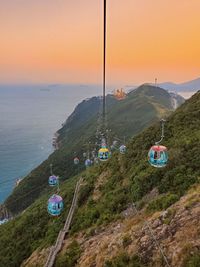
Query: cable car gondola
55	205
53	180
104	154
76	161
122	149
158	155
88	163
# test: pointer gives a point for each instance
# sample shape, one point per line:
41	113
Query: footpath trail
62	234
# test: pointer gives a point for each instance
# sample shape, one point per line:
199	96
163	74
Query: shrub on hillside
124	260
70	257
193	261
162	202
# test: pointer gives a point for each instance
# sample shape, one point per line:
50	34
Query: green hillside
141	108
123	179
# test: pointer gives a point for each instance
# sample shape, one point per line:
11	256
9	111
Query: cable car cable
162	131
51	171
104	66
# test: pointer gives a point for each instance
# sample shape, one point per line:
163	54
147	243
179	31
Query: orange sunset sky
61	41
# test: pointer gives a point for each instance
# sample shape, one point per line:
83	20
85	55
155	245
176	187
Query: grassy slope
127	117
35	228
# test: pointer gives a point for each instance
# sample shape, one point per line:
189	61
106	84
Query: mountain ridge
193	86
187	86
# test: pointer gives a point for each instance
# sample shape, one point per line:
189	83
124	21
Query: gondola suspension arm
162	132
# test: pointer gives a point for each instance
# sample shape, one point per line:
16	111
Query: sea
30	115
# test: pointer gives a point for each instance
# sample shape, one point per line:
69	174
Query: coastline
4	214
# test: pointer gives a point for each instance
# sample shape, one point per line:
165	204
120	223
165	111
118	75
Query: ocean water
29	117
186	94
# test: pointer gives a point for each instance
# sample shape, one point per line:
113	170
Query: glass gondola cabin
158	156
88	163
53	180
122	149
55	205
76	161
104	154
